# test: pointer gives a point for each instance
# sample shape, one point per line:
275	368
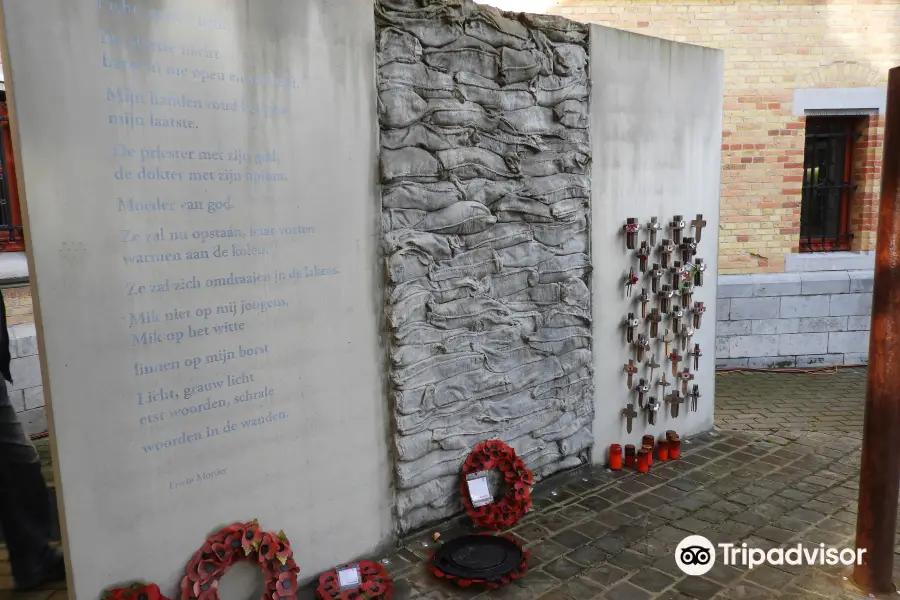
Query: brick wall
771	49
18	305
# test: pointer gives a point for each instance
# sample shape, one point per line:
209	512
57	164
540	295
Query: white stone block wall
26	392
799	319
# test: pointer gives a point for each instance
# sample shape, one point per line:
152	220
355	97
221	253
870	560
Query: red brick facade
772	49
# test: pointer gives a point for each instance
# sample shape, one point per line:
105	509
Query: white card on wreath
479	492
349	577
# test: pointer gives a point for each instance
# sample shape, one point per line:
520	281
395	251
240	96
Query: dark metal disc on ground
479	557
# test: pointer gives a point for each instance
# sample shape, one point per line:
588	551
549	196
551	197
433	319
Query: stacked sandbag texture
485	168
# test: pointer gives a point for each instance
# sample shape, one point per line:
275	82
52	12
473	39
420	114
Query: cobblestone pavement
829	401
768	481
612	536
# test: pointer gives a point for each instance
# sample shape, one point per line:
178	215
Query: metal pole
880	469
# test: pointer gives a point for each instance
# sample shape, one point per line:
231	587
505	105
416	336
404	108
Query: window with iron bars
827	184
12	237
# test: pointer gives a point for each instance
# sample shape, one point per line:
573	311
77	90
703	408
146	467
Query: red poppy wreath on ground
374	584
483	583
242	542
517	500
135	591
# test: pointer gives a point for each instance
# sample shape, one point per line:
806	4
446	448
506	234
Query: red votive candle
629	456
649	450
615	457
648	441
662	450
674	447
643	460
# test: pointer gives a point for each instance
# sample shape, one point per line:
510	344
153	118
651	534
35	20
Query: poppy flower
273	569
268	546
373	589
251	539
283	552
289	565
193	567
233	541
287	584
206	570
327	577
219	537
324	590
222	554
149	591
208	590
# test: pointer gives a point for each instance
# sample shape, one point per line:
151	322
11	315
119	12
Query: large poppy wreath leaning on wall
237	542
517	500
242	542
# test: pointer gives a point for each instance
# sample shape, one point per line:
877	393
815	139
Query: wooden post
880	470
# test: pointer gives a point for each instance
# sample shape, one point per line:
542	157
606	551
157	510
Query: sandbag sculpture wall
485	166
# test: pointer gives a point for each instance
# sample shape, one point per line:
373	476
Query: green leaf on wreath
282	536
282	560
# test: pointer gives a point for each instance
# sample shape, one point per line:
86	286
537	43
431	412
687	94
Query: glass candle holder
615	457
643	460
630	456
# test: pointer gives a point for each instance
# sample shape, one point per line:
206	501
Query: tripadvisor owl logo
695	555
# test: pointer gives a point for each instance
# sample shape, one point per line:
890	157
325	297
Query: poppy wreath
375	584
135	591
242	542
517	500
483	583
